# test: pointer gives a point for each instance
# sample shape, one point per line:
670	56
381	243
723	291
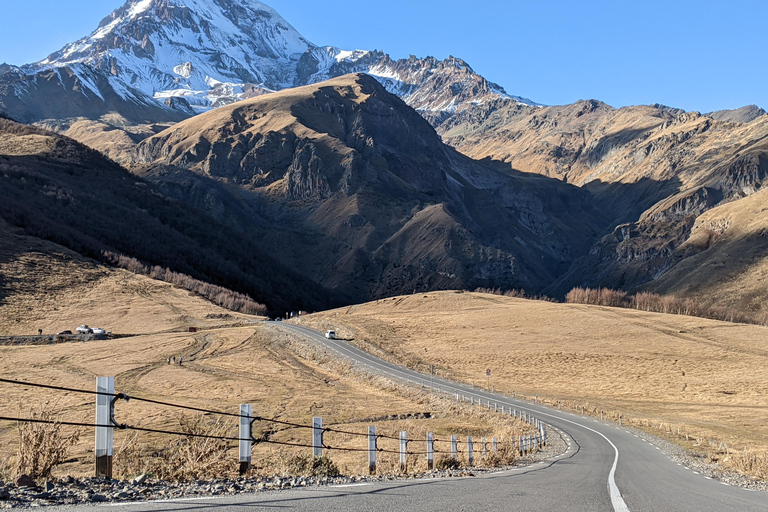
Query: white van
331	335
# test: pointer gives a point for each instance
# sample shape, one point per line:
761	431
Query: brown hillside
355	190
59	190
46	286
708	378
232	359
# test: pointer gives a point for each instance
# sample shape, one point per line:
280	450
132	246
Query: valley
188	155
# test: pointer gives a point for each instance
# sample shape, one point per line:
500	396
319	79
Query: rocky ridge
360	177
193	55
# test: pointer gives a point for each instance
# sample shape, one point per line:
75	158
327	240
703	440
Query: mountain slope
78	91
364	198
61	191
193	55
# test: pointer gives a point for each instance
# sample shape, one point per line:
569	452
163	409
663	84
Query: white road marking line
349	485
616	500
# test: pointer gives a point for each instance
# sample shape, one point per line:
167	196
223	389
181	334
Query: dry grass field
232	359
707	378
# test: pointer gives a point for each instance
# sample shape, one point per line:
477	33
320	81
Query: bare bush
655	303
751	463
307	465
200	455
220	296
43	446
445	462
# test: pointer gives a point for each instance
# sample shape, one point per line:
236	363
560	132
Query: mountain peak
146	42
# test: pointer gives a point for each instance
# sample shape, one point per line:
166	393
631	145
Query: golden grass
707	378
231	360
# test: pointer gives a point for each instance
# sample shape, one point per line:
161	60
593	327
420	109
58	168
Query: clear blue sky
697	55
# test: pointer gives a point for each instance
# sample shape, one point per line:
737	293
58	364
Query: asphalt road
605	469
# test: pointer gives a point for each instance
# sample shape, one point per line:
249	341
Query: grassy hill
231	360
707	378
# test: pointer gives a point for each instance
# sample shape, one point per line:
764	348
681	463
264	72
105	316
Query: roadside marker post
482	450
372	450
495	446
317	437
470	451
104	435
246	411
430	451
454	448
403	450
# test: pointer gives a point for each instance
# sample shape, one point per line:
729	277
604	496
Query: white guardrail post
403	451
104	435
317	437
430	451
372	450
246	411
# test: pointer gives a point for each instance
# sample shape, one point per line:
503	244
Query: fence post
245	437
483	452
104	435
372	450
520	444
470	452
495	446
430	451
317	437
403	450
454	448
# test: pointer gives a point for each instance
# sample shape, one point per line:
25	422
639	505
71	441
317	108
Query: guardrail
106	424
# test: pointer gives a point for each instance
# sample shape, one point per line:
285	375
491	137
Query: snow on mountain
178	47
214	52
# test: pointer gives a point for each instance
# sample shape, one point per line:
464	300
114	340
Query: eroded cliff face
636	254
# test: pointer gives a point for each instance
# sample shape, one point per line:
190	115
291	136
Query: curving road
604	469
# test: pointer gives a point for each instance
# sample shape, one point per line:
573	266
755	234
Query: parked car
63	333
84	329
331	335
99	330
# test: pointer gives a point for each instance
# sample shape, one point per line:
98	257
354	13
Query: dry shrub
189	458
307	465
219	295
445	462
43	446
655	303
750	463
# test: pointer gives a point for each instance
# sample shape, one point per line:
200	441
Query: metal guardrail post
104	435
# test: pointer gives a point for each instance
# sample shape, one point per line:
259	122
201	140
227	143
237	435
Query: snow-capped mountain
437	89
200	49
201	54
